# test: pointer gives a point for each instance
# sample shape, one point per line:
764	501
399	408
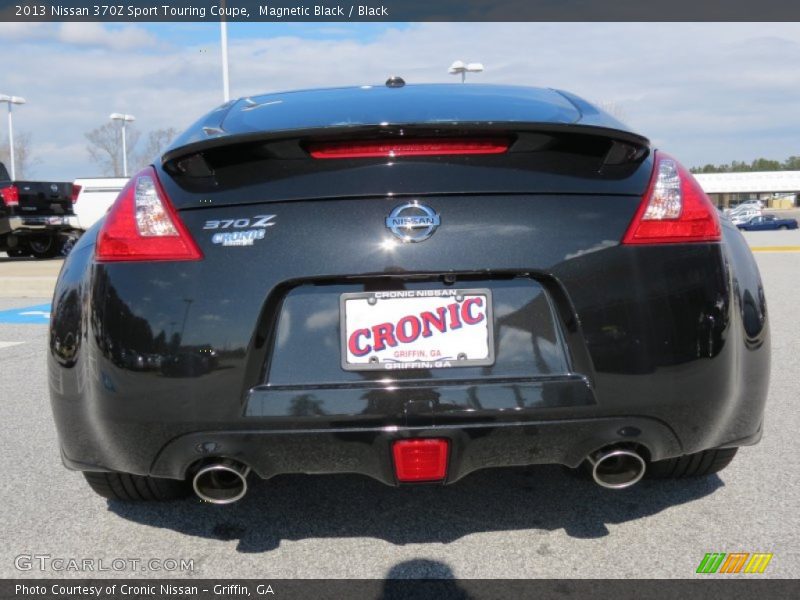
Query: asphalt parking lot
533	522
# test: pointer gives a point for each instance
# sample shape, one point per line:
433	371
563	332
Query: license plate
416	329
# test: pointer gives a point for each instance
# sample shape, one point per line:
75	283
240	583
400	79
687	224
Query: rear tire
699	464
44	246
136	488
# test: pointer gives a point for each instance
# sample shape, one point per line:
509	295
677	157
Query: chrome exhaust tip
617	468
221	482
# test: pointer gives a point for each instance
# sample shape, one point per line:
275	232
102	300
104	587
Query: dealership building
779	189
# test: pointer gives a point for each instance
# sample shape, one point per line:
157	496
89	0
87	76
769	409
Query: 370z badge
245	231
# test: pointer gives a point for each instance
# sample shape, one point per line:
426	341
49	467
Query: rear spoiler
197	159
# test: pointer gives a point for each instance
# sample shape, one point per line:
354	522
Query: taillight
675	209
422	459
10	195
408	147
76	190
142	225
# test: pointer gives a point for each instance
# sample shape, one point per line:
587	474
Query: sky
704	92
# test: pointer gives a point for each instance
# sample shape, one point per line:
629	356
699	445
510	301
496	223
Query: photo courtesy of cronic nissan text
476	299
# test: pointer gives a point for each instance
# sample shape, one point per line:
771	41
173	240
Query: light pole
462	68
223	33
124	119
11	100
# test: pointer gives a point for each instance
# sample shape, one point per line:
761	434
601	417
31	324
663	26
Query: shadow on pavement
20	259
395	586
296	507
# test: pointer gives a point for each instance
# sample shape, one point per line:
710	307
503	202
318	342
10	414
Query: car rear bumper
368	451
519	423
38	224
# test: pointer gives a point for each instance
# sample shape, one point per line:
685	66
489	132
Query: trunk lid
39	198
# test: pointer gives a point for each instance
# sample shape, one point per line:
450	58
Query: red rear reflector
10	195
76	190
674	209
411	147
420	459
143	225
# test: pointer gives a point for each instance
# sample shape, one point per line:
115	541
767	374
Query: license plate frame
458	296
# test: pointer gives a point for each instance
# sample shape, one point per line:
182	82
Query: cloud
706	92
13	31
126	37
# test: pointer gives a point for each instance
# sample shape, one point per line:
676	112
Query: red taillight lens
410	147
76	191
675	209
142	225
10	195
420	459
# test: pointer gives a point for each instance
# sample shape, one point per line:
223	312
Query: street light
223	34
125	119
11	100
459	67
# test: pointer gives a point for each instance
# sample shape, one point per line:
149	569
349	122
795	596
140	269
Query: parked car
747	205
36	217
744	216
96	196
411	283
767	222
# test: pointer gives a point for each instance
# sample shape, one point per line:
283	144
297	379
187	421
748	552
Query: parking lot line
9	344
775	248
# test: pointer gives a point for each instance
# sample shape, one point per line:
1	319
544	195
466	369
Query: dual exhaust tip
221	482
617	467
225	481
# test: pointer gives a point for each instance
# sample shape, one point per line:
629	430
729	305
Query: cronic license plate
416	329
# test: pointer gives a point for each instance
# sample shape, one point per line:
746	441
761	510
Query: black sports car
411	283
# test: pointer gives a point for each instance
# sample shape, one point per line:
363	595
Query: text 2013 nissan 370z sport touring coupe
410	283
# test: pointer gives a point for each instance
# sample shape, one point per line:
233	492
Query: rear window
373	105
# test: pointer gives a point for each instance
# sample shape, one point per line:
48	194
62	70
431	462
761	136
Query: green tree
791	164
762	164
759	164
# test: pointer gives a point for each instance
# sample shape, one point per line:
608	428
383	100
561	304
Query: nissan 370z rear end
410	283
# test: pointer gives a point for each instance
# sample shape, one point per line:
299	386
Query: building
779	189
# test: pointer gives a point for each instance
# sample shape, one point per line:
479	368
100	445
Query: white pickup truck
96	196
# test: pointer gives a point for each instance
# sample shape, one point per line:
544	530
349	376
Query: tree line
104	148
760	164
24	160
